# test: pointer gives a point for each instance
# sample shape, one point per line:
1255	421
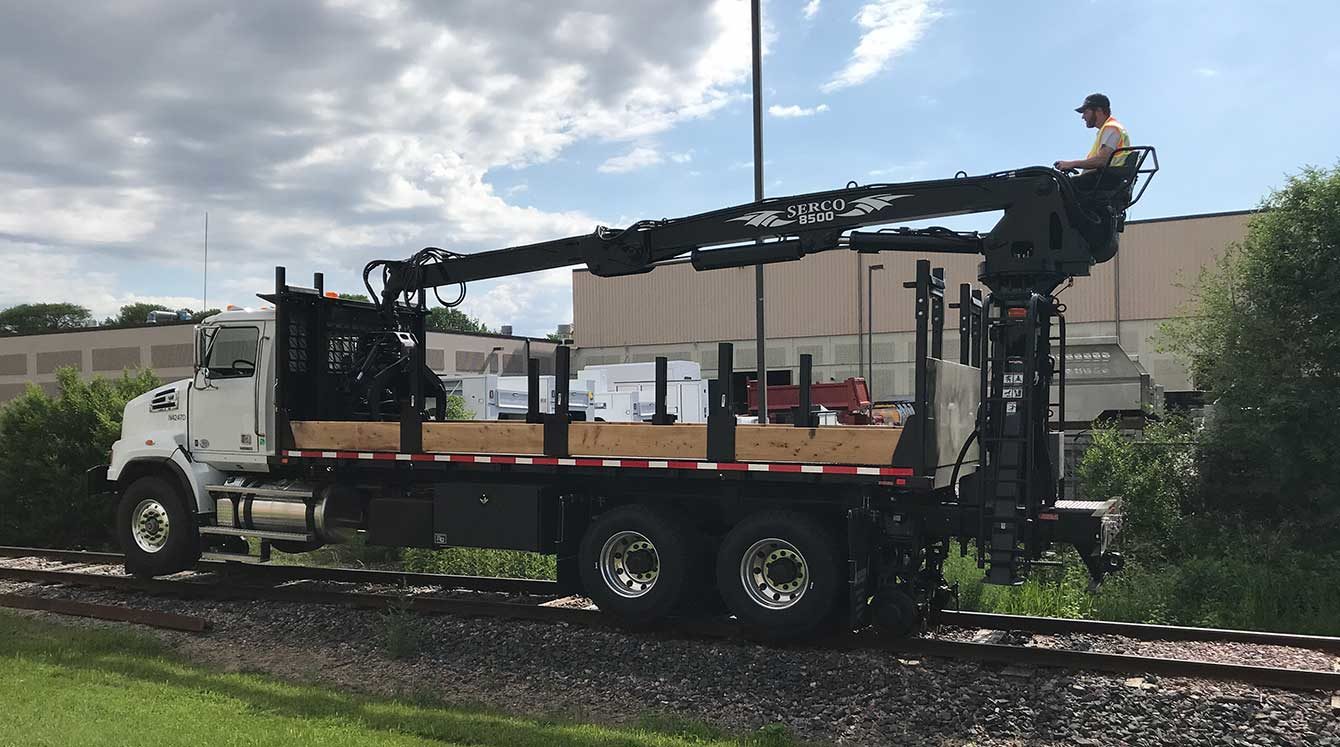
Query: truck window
232	353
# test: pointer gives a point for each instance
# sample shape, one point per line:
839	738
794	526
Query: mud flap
859	587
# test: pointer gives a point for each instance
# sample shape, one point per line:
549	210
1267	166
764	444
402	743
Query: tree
1263	337
134	313
443	319
199	316
46	444
354	297
30	318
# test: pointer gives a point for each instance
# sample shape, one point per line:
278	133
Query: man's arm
1106	148
1104	153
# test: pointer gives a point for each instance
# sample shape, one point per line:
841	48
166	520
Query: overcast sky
320	135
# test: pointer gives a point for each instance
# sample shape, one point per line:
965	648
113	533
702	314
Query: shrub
46	445
402	632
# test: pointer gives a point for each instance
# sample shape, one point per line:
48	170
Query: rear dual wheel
780	573
638	562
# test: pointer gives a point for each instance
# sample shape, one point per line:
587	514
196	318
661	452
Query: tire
793	574
156	532
663	547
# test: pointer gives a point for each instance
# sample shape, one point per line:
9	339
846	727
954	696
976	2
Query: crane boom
1048	231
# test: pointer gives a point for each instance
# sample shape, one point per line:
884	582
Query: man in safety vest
1112	136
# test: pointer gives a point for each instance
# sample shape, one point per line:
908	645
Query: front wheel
779	573
637	562
155	531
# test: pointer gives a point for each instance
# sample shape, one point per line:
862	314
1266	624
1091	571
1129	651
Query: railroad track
245	586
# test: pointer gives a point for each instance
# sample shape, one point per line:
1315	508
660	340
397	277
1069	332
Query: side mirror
204	338
201	378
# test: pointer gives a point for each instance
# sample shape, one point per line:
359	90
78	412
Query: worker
1097	113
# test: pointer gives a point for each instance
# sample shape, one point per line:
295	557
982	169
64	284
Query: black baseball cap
1095	101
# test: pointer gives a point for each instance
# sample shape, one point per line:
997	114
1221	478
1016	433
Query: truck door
223	405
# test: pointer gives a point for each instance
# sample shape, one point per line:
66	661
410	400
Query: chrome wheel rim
629	564
774	573
149	525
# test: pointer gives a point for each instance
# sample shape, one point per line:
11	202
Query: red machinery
850	399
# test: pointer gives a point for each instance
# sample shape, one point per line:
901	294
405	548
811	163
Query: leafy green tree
1263	337
443	319
354	297
29	318
134	314
46	444
1155	477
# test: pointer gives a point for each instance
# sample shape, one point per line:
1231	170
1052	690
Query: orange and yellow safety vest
1123	140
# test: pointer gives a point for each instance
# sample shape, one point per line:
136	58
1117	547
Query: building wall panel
14	364
1159	260
116	359
50	361
180	355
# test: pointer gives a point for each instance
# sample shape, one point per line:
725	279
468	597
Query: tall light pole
759	347
204	290
870	326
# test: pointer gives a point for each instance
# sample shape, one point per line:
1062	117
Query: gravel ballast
856	697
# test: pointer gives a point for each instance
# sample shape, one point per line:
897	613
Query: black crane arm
1048	231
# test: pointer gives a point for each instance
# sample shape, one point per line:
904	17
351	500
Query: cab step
259	534
233	557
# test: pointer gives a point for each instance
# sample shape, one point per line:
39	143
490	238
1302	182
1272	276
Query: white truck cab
188	435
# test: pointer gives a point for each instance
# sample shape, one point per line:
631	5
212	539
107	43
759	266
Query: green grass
461	561
63	685
1244	587
473	561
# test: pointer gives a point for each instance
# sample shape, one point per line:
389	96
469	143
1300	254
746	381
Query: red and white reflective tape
808	469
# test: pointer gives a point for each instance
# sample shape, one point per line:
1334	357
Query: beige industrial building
818	306
166	349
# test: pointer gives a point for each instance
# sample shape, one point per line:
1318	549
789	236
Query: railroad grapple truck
317	419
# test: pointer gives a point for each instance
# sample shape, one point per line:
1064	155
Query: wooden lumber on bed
861	445
341	435
678	441
484	437
835	444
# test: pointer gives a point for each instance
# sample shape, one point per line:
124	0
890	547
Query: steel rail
288	593
1293	679
315	573
153	618
1139	631
72	556
981	652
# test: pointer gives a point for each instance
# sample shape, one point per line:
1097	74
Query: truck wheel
155	530
636	562
779	573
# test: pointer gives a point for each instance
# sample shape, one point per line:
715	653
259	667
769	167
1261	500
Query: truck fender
165	455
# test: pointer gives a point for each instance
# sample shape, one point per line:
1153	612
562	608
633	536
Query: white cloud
684	157
638	158
811	9
1206	72
889	28
793	111
338	132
